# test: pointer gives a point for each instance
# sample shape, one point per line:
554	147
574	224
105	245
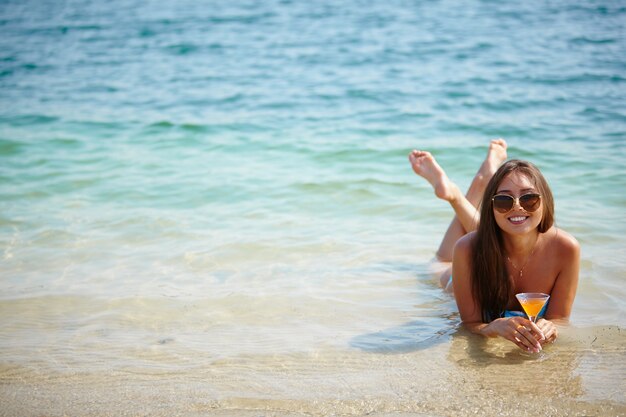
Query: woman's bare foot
496	155
424	165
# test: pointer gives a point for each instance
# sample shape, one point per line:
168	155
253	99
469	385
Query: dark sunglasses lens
503	203
529	202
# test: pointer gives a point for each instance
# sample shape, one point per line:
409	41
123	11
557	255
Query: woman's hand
524	333
549	330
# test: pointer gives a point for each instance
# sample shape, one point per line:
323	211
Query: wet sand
453	374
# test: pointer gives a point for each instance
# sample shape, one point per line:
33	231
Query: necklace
521	270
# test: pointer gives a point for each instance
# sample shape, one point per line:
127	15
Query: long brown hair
491	285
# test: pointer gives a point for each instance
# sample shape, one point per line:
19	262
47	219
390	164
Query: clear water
216	195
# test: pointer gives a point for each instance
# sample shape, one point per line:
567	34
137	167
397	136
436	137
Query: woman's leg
424	165
496	155
465	206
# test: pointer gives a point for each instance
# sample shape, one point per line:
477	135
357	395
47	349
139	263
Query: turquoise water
225	185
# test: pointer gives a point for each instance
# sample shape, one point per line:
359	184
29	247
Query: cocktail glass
532	303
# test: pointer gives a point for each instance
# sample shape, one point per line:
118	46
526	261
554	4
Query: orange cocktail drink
532	303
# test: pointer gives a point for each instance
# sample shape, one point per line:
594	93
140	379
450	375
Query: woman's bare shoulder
464	244
565	243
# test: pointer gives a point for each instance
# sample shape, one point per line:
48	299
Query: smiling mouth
517	219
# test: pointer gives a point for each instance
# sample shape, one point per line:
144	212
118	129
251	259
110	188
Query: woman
510	246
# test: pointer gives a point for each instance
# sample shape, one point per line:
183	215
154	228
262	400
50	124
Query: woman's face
518	221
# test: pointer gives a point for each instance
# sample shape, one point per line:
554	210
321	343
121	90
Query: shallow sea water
206	208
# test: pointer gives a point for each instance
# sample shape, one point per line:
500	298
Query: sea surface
206	207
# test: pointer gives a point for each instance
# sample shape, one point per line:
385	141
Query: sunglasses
504	203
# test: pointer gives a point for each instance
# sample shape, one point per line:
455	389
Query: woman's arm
462	286
564	289
518	330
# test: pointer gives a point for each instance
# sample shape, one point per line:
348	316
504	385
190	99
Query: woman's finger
549	330
526	338
537	330
520	345
551	333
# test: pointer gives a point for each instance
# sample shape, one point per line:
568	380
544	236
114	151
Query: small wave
166	125
575	79
601	115
243	19
10	147
80	28
162	125
357	155
28	120
602	10
585	40
65	142
358	193
183	49
487	130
